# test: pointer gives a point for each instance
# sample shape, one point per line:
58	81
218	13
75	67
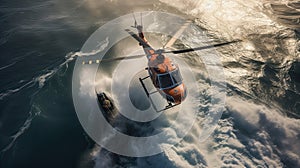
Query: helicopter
163	72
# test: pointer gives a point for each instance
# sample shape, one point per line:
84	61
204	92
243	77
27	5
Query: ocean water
260	126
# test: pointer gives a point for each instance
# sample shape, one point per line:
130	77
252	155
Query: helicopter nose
183	92
179	93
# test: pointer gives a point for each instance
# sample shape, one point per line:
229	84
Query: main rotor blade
177	34
97	61
201	48
123	58
174	52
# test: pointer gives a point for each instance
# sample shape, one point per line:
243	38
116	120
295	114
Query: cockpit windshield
176	76
165	80
170	79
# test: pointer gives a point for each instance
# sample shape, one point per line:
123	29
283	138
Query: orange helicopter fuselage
165	75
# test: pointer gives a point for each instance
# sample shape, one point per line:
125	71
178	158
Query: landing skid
170	105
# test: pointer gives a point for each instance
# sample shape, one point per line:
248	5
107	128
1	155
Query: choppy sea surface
260	126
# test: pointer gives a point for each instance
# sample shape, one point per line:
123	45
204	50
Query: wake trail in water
49	73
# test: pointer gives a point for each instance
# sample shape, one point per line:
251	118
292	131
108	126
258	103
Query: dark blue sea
38	123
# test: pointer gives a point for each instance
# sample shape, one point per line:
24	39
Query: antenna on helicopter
135	22
141	19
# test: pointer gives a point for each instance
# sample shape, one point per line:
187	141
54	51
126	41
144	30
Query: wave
286	12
